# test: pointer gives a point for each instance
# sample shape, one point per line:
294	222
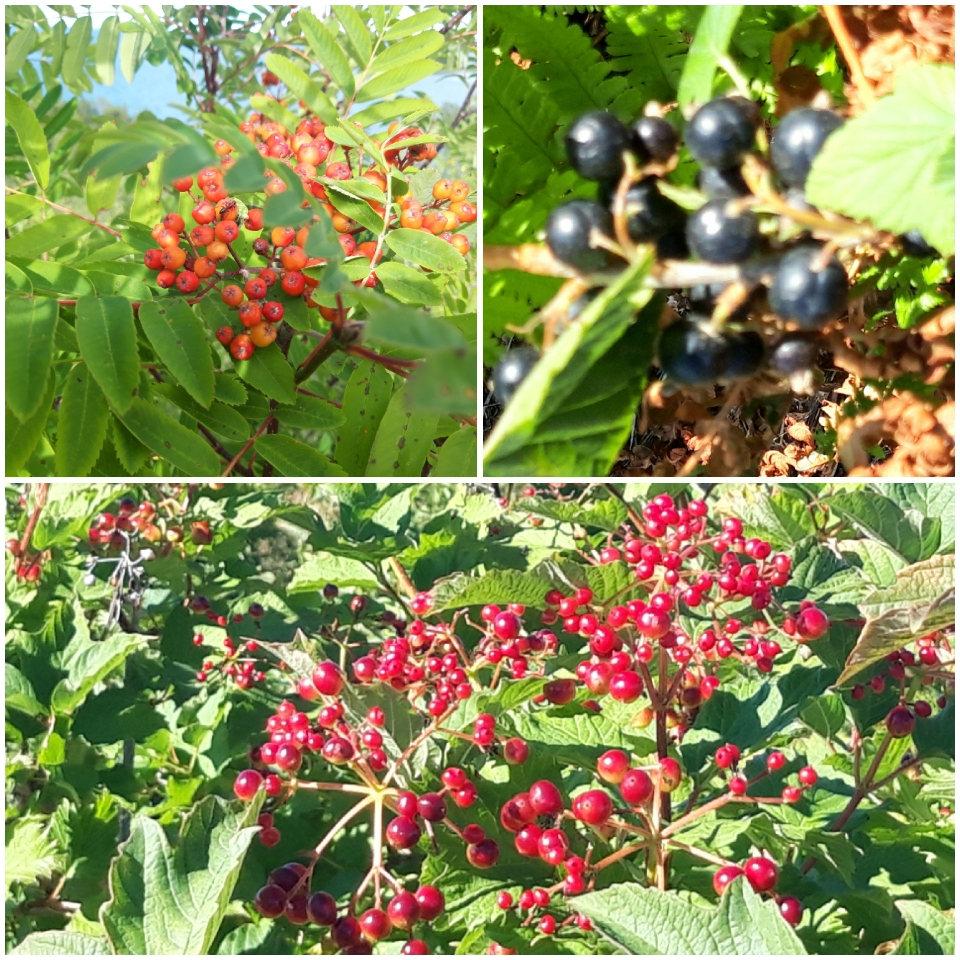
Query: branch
73	213
260	430
39	499
454	20
845	42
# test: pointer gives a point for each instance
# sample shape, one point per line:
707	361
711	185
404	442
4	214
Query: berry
718	234
722	184
690	356
791	794
504	900
807	291
812	623
595	145
483	854
808	776
724	877
626	687
247	784
612	766
545	798
636	787
322	909
670	774
553	846
402	833
656	138
792	353
791	909
414	948
403	910
547	925
431	902
270	901
776	760
375	924
745	354
241	347
761	873
569	229
431	807
512	370
649	214
328	678
346	931
721	132
516	750
797	141
900	722
560	691
593	807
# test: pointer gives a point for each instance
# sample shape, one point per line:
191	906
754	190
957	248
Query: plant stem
260	430
39	499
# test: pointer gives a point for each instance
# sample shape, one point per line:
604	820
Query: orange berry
151	259
254	219
435	221
231	295
460	243
228	209
202	234
369	250
282	236
343	224
328	313
275	186
269	276
452	220
227	231
208	176
174	222
293	258
167	238
204	212
255	288
182	184
250	313
166	278
225	335
302	235
173	257
465	210
263	334
412	217
221	148
204	267
348	243
376	178
442	190
293	283
459	190
217	250
241	347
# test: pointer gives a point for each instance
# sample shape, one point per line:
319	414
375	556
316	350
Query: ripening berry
250	313
231	295
151	259
612	766
254	219
204	212
263	334
174	222
465	212
167	238
293	283
282	236
218	250
460	243
187	281
293	258
670	774
227	231
247	784
202	234
166	278
241	347
204	267
182	184
173	258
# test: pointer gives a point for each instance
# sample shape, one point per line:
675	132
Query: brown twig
39	499
845	42
260	430
454	20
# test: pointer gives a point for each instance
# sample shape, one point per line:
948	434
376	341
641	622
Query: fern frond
522	220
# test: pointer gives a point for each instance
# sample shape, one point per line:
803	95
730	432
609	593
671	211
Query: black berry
655	137
718	234
673	245
745	353
511	371
797	141
793	353
721	132
722	184
692	357
595	145
568	234
805	292
648	213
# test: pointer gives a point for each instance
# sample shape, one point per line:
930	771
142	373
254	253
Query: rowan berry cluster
202	253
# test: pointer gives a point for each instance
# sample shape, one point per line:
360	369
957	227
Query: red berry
776	760
403	910
346	932
670	774
507	626
504	900
483	854
247	784
414	948
593	807
431	807
375	924
900	722
270	901
724	877
322	909
738	786
812	623
791	909
527	840
626	687
402	833
791	794
612	766
560	691
761	873
636	787
548	925
454	778
553	846
808	776
431	902
328	678
516	750
546	798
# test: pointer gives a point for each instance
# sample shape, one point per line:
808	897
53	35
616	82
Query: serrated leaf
302	86
172	900
396	80
22	438
408	26
228	389
407	285
365	401
423	248
465	590
458	455
937	926
327	50
170	440
320	568
402	442
180	341
894	164
56	943
358	37
30	325
445	383
82	424
269	372
108	344
392	325
18	692
645	920
30	852
218	418
53	277
310	413
293	458
49	235
29	133
75	54
407	51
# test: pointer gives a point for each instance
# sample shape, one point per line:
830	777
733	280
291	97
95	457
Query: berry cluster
201	254
244	662
794	282
134	520
29	565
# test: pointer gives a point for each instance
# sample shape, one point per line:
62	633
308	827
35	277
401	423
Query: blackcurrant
914	243
797	141
718	234
595	145
655	137
649	214
745	351
722	184
568	234
705	294
673	245
692	357
806	292
721	132
792	353
511	371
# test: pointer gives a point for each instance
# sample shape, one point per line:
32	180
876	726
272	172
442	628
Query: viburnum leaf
56	943
894	164
29	851
645	920
935	931
171	898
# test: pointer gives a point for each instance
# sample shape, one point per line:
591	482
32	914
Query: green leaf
30	324
458	455
269	372
30	852
170	440
310	413
395	80
148	204
645	920
411	25
936	930
18	49
894	164
392	325
133	46
18	692
303	87
228	389
402	442
53	277
408	285
327	50
365	401
54	943
22	438
177	335
19	206
407	51
879	518
131	453
574	411
218	418
423	248
292	458
75	55
466	590
172	900
445	383
358	37
779	516
107	41
273	110
391	109
922	599
117	285
108	344
49	235
29	133
709	48
101	193
320	568
82	424
353	208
